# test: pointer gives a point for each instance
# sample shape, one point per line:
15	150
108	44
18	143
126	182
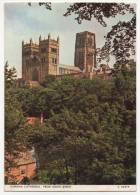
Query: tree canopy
89	132
100	11
14	119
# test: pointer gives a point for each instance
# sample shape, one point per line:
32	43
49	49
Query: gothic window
35	52
9	170
53	50
22	171
90	41
81	42
81	61
43	50
78	42
27	62
26	53
54	61
60	70
35	75
90	59
34	59
42	60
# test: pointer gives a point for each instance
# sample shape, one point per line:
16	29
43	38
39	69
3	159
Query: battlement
85	33
30	44
49	39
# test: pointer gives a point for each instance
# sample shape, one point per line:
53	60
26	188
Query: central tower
49	56
85	51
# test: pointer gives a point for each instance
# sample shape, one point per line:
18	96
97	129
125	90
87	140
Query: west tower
39	60
30	61
85	51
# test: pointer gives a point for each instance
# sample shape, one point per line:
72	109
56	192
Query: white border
79	188
1	96
70	188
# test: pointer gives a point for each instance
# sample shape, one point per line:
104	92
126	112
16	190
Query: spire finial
31	41
58	39
49	36
39	38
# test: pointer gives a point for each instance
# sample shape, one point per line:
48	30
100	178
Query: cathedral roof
71	67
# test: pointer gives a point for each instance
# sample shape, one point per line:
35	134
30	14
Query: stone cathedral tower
85	51
39	60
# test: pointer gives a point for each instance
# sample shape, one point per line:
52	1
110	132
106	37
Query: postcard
70	96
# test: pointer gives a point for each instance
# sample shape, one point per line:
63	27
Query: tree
47	5
30	100
48	80
100	11
89	135
120	42
14	120
10	76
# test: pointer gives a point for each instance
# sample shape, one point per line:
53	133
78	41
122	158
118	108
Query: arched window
35	75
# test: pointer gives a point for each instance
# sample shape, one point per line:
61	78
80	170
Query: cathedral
40	60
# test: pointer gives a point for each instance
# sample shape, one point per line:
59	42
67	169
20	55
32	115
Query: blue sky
23	22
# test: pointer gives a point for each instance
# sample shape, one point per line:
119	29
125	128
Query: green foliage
89	136
89	133
99	11
30	100
10	76
43	177
14	119
48	80
120	42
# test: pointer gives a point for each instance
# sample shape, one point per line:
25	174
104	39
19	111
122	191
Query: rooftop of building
86	32
26	157
71	67
31	44
44	40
